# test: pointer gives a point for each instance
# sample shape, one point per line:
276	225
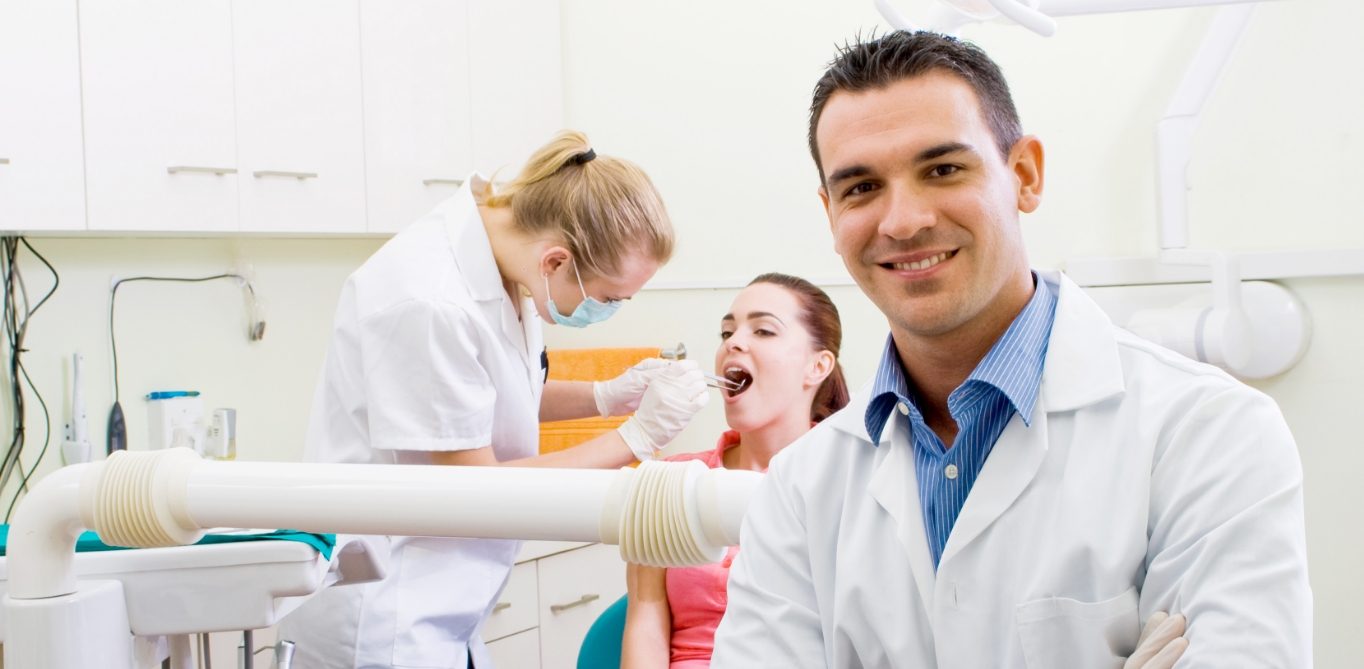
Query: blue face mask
589	311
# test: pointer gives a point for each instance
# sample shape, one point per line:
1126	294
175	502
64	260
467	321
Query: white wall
711	97
184	336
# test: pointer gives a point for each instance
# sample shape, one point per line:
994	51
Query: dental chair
602	646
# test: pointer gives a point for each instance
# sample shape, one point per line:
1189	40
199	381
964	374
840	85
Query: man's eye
860	189
943	170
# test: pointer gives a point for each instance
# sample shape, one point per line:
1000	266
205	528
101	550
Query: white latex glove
1161	644
673	396
621	395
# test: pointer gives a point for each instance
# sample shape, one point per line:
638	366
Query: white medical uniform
427	355
1147	482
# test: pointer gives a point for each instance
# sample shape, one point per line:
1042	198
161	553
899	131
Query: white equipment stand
170	593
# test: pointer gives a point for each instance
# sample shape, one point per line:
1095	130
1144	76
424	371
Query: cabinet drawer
515	609
575	587
518	651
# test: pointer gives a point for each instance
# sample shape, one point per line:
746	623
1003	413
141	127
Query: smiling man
1022	484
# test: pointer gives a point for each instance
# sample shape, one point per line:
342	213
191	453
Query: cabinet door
42	175
575	587
516	85
416	91
160	138
299	120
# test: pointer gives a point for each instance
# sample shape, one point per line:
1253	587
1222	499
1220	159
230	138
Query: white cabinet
160	135
299	123
416	101
42	180
223	115
516	80
265	116
575	587
565	587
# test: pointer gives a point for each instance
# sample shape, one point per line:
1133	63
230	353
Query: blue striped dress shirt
1005	382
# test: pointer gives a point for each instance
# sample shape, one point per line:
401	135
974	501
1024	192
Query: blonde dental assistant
436	359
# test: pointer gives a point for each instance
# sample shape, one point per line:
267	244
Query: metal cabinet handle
177	169
277	173
4	161
501	606
443	182
585	599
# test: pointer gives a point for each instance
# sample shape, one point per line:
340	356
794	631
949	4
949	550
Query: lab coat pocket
1062	633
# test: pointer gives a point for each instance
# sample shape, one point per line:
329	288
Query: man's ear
824	197
1026	160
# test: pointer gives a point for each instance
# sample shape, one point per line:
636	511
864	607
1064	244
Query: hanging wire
16	302
113	293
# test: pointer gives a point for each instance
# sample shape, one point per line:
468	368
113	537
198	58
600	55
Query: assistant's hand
673	396
621	395
1161	644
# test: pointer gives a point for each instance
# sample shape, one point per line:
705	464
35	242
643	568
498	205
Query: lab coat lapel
1082	368
1012	465
894	488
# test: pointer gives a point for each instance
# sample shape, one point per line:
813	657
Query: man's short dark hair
879	62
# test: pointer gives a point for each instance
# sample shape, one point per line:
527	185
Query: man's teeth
922	264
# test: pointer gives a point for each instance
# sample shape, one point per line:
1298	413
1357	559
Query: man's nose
907	212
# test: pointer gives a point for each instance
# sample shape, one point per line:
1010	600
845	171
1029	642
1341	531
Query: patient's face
764	343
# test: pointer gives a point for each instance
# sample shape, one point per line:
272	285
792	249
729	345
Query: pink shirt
697	595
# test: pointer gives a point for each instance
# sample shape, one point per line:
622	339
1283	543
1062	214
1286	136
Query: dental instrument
722	383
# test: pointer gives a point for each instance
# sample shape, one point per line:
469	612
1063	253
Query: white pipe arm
948	16
165	498
1078	7
1175	131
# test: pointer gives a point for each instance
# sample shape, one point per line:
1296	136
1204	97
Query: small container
221	441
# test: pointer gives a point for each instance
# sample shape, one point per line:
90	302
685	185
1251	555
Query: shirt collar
470	244
1013	366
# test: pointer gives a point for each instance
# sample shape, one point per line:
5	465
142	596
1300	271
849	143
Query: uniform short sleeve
426	387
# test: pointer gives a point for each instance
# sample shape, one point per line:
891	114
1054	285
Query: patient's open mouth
739	376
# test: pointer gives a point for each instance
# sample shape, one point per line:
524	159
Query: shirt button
904	409
950	471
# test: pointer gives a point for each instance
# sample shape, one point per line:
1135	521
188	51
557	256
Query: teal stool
601	646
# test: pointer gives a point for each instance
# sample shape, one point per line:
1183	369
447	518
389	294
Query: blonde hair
603	208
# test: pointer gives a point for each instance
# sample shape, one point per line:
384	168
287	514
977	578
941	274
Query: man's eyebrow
848	173
934	152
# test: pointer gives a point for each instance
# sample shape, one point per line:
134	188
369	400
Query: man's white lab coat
1146	482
